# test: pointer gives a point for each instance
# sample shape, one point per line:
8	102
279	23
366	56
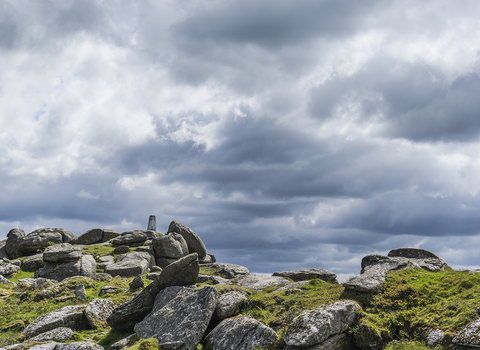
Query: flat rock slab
85	266
240	333
313	327
228	270
127	268
60	334
194	243
60	253
67	316
180	314
134	237
308	274
259	282
80	345
373	276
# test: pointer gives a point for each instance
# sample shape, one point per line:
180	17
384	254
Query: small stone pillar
152	224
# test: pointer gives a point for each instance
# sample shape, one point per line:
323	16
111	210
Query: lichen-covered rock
80	292
183	272
308	274
36	283
373	276
71	316
127	268
103	276
260	282
97	312
109	234
91	236
4	280
124	343
228	270
109	290
80	345
85	266
172	246
34	241
60	253
7	269
33	262
469	336
240	333
291	285
122	249
60	334
149	258
179	314
229	304
421	258
105	260
435	336
313	327
194	243
342	341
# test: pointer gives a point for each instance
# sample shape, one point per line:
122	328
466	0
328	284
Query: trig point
152	224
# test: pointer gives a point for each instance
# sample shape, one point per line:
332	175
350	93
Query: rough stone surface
68	316
105	260
33	262
291	285
127	268
240	333
63	252
313	327
122	249
109	234
229	304
164	262
14	236
435	337
183	272
80	345
133	237
91	236
137	283
308	274
340	341
228	270
123	343
155	268
153	275
214	279
44	346
371	259
179	314
86	266
7	269
4	280
172	246
34	241
80	292
194	243
135	256
207	259
97	312
260	282
421	257
60	334
67	236
373	276
36	283
469	335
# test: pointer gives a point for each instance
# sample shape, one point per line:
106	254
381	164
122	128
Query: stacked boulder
131	264
136	237
97	235
18	244
64	260
375	267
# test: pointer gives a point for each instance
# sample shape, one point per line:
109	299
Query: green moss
210	271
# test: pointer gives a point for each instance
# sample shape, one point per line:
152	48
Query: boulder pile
171	309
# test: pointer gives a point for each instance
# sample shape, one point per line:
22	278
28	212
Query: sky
287	134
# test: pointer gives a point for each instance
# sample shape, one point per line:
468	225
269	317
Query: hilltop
145	290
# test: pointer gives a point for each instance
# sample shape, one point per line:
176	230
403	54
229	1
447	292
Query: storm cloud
287	134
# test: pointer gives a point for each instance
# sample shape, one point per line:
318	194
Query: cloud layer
286	135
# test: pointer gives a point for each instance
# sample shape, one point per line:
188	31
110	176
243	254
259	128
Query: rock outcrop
240	333
228	270
179	315
194	243
183	272
97	235
308	274
85	266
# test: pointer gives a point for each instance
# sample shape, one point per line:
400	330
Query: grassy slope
411	301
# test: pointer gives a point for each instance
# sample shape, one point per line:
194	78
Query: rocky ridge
170	307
